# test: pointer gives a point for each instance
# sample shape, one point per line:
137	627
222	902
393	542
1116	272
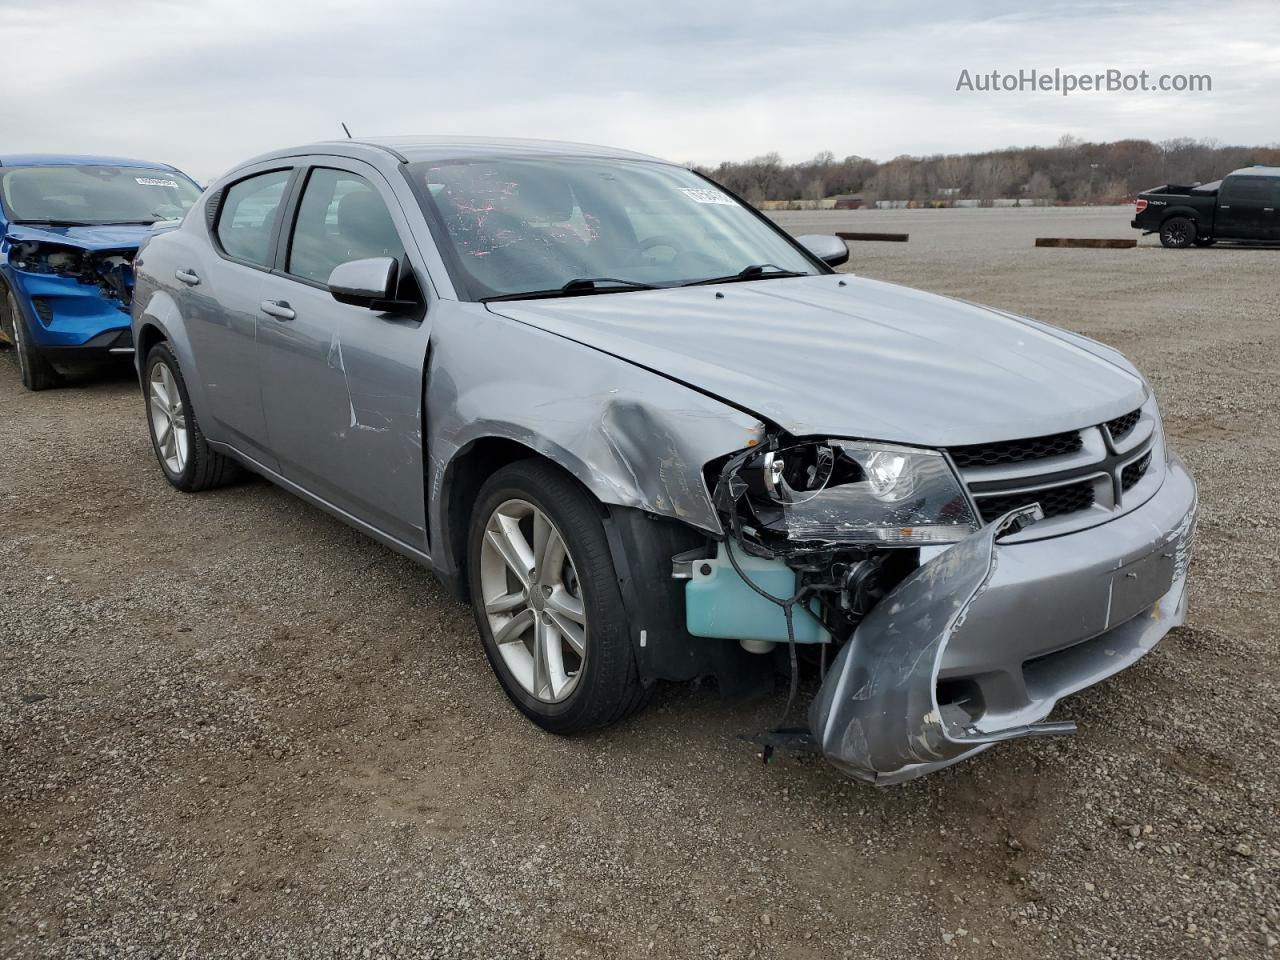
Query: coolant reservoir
719	604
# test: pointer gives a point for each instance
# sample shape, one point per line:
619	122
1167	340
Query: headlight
854	492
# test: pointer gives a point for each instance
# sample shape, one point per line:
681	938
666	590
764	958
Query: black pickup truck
1241	206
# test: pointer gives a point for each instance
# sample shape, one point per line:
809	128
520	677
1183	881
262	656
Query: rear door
341	384
1241	205
219	300
1271	213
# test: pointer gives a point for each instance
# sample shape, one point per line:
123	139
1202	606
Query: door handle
1224	207
188	277
1268	209
278	309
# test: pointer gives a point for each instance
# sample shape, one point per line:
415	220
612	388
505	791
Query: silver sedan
649	436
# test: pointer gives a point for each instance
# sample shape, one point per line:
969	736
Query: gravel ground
231	727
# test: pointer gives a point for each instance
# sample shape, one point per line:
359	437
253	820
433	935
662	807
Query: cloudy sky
206	83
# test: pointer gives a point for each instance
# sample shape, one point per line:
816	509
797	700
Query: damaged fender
877	716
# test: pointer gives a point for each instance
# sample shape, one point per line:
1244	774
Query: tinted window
341	218
248	216
1252	190
523	225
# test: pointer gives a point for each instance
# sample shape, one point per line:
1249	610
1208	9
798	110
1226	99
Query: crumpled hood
867	359
113	237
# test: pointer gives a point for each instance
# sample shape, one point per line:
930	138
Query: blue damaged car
71	227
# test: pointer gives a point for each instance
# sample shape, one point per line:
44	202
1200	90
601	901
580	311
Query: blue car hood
863	358
110	237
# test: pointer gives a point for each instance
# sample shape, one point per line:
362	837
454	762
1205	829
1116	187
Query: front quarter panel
632	437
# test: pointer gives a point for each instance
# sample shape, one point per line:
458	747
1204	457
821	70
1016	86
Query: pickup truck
1241	206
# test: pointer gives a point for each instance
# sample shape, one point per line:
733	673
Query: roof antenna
345	130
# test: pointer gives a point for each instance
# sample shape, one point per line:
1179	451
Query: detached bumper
980	643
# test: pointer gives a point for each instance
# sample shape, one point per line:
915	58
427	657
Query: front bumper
980	643
64	313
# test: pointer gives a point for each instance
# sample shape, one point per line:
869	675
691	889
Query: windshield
538	225
95	194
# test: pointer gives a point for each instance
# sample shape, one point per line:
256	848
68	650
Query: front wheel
547	602
186	458
36	372
1177	233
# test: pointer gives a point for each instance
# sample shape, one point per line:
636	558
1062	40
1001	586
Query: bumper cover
1014	626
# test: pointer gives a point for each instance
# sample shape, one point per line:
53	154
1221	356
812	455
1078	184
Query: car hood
845	356
107	237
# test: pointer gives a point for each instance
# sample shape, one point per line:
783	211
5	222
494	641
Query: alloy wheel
168	418
533	601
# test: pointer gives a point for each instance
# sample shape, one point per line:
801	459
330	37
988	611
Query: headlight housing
858	493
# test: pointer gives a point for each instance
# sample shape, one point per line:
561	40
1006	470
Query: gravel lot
230	726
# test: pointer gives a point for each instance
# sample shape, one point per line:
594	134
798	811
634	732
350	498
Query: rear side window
1251	190
248	216
341	218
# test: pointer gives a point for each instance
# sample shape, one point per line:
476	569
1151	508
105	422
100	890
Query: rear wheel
546	600
36	372
186	458
1177	233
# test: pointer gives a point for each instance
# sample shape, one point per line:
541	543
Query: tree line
1072	172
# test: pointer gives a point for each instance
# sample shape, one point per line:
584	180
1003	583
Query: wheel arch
148	335
459	486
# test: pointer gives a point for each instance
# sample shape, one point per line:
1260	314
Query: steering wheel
657	242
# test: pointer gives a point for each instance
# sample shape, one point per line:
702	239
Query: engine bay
111	271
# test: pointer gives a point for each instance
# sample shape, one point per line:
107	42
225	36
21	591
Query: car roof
412	149
1258	171
76	160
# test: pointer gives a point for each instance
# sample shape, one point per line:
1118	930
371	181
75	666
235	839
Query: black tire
1205	241
36	372
1177	233
203	468
608	685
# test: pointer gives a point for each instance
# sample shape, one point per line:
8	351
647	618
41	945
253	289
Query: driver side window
341	218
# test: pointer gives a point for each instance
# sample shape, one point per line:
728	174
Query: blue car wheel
36	371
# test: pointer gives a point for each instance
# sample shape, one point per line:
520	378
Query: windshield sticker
698	195
153	182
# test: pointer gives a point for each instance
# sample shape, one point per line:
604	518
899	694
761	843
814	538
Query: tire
184	455
605	686
1177	233
36	372
1205	241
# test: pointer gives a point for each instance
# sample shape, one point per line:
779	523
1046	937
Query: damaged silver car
650	436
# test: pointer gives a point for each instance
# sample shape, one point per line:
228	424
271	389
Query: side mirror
830	250
367	283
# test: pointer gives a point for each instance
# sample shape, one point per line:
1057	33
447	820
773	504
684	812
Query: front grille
1054	501
1016	451
1120	426
44	309
1134	472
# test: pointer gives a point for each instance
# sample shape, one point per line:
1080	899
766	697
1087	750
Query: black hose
787	608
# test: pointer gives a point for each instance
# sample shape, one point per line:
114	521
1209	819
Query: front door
342	385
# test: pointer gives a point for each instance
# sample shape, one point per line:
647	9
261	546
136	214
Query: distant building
849	203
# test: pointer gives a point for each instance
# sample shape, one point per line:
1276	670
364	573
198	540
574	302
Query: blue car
71	227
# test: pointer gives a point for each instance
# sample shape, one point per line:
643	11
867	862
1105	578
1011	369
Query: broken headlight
856	492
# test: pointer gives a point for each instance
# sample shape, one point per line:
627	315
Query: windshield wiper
52	223
756	271
579	287
85	223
